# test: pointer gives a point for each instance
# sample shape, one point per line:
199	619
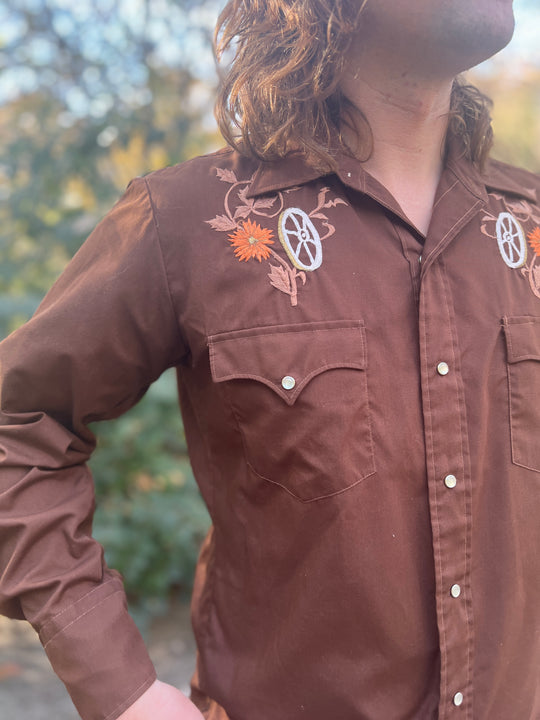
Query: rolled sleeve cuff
97	651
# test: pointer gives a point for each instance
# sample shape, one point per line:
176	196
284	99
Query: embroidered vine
506	228
297	232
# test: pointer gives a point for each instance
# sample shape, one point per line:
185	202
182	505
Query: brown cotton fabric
362	411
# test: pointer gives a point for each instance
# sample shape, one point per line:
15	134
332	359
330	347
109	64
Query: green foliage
91	95
150	517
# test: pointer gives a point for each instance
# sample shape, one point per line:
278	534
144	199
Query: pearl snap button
455	591
288	382
443	369
450	481
458	699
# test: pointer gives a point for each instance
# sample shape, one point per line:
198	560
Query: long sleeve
104	333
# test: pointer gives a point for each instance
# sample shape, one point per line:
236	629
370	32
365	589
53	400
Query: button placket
446	438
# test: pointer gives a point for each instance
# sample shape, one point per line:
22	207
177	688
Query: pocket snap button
288	382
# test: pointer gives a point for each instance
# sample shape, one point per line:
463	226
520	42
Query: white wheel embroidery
300	239
511	239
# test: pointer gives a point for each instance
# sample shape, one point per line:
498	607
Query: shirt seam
478	194
434	254
213	339
448	190
55	618
80	617
155	223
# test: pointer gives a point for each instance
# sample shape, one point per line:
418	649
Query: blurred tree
516	112
91	95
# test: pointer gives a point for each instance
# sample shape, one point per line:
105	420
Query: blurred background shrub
149	517
93	93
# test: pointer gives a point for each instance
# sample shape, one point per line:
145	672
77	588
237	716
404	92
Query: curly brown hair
281	89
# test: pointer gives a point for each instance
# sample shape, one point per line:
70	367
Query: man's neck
408	119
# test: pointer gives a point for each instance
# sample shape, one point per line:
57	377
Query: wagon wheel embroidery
511	240
507	229
298	235
300	239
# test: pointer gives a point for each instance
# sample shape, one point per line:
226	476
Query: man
353	305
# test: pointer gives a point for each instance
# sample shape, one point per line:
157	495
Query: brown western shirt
362	409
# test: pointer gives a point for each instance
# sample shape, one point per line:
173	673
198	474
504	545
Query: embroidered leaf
242	194
322	202
264	203
302	276
322	197
226	175
279	278
484	230
489	216
319	216
521	209
520	206
534	278
242	211
223	223
333	203
331	230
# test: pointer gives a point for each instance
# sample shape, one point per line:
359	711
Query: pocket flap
522	338
287	357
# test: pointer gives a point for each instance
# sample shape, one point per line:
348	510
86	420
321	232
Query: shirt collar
292	171
282	174
499	177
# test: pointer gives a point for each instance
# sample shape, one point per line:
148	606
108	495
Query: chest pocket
523	354
300	397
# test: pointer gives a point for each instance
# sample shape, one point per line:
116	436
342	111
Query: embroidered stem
273	215
227	196
533	272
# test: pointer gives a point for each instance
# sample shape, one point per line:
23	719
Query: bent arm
106	330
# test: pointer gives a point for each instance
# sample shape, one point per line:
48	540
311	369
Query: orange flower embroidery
534	240
251	241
